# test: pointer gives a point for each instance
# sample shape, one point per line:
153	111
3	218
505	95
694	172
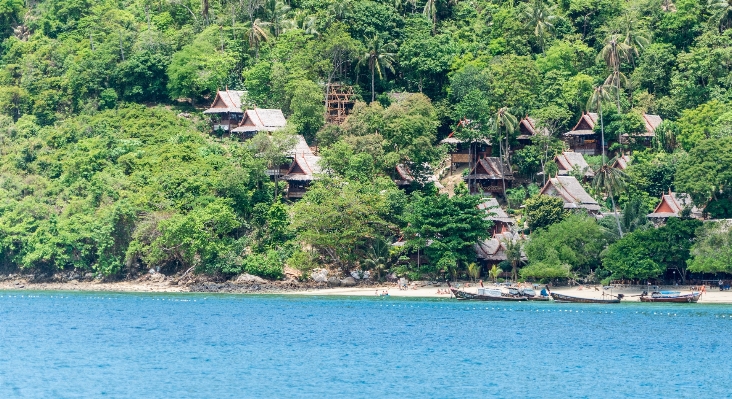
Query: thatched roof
571	192
585	126
261	120
672	204
570	160
622	162
652	122
494	248
494	211
226	101
451	139
304	168
490	168
527	128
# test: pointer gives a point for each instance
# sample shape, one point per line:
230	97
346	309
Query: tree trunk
372	82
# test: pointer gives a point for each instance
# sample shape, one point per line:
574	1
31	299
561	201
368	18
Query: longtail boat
671	296
574	299
486	294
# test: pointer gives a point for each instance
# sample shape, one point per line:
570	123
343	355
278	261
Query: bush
267	265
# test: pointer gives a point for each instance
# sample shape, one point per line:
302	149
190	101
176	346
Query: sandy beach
164	284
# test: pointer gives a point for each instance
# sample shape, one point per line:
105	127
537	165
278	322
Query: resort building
622	162
571	192
303	170
672	205
488	176
570	162
645	138
502	223
226	112
528	129
493	250
461	152
260	120
582	138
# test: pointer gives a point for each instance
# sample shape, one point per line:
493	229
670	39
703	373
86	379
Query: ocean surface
90	345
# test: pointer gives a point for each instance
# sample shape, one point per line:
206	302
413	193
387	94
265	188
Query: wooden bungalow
622	162
301	147
672	205
570	161
493	250
304	169
528	129
488	175
260	120
571	192
645	138
501	221
582	138
405	178
226	112
460	150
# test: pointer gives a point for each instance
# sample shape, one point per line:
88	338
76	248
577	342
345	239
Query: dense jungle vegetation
108	165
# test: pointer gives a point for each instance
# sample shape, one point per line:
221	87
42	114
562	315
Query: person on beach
721	285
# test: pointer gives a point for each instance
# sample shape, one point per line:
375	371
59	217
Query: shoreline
162	284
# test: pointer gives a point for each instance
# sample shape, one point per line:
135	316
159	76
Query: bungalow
226	112
488	175
622	162
570	161
571	192
672	206
528	129
582	138
461	151
493	250
405	178
260	120
651	123
301	147
304	169
501	221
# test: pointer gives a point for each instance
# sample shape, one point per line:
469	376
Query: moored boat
671	296
574	299
486	294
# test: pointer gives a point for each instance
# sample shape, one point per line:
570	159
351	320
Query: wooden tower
338	103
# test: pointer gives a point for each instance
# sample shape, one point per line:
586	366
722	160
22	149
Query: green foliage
712	251
712	159
571	245
268	265
543	210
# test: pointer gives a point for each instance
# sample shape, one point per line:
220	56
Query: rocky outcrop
348	282
319	275
246	278
334	282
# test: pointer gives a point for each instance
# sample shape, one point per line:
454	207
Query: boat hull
679	299
574	299
475	297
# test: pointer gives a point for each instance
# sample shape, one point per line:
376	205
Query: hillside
108	163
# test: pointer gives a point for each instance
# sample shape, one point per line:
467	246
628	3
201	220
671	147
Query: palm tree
513	255
599	94
507	123
494	273
377	257
614	51
610	181
430	11
635	39
541	18
722	13
378	57
474	270
256	34
277	11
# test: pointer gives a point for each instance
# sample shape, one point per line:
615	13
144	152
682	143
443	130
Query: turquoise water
88	345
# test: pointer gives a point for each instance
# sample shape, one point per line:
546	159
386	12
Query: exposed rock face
334	282
246	278
319	275
348	282
292	274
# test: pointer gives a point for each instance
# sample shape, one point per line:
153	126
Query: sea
163	345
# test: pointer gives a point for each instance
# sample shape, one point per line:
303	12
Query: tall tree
379	56
540	17
504	124
614	52
430	11
722	13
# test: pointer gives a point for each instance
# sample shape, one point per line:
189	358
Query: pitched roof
528	128
571	192
622	162
490	168
226	101
261	120
652	122
304	168
570	160
584	126
672	204
494	248
451	139
494	211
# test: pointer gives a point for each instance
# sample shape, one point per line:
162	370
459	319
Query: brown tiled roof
622	162
672	204
569	160
226	101
261	120
494	211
